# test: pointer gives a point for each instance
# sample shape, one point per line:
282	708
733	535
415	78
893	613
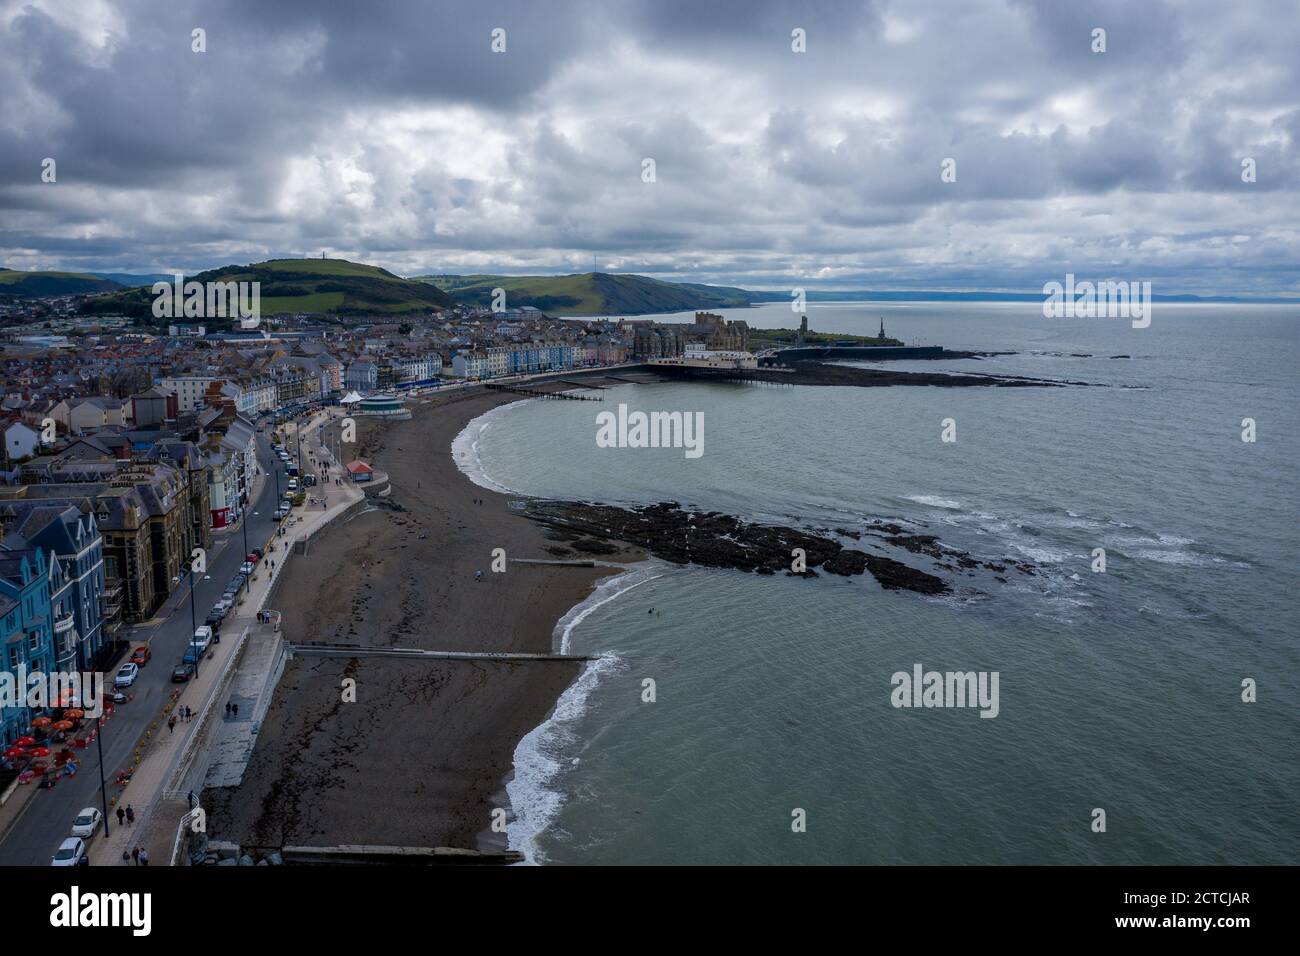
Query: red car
252	557
140	656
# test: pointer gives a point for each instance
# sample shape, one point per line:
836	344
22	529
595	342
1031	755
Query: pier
323	649
538	393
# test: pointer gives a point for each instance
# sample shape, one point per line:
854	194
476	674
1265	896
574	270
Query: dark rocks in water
595	546
1121	356
557	551
897	576
886	527
855	535
722	541
918	544
820	373
846	562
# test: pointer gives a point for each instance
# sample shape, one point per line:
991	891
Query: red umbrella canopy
63	725
39	752
14	752
42	722
24	741
75	713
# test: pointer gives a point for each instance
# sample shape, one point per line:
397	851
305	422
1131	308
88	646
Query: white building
21	441
189	390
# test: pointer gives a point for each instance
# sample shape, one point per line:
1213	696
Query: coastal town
135	455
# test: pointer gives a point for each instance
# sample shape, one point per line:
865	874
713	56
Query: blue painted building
81	636
25	580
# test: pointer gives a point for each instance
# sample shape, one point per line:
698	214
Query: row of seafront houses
95	533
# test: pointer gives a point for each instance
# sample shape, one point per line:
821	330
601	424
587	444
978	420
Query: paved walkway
168	756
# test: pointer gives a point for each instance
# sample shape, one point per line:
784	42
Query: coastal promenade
158	790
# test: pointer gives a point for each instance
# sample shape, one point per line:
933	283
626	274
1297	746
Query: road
48	817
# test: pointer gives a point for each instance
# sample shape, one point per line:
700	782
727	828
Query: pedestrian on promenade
126	857
190	797
227	710
135	855
171	723
234	709
130	814
144	857
121	815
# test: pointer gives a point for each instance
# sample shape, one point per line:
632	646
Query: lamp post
194	622
103	787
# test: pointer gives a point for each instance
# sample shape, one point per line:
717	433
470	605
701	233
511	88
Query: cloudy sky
391	133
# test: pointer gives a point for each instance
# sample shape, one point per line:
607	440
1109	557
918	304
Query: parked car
253	557
237	583
257	551
140	656
293	484
224	605
126	675
202	638
281	513
309	480
246	567
71	852
182	672
214	619
86	824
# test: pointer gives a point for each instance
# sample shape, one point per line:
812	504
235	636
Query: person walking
121	815
144	857
130	814
135	855
171	723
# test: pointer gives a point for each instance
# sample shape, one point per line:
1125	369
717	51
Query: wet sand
421	757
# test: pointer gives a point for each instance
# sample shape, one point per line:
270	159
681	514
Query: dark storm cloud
391	132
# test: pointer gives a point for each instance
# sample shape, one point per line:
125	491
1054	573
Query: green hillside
33	284
590	293
327	286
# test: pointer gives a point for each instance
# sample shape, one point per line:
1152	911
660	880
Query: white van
202	637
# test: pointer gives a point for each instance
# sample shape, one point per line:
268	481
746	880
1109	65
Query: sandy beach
421	757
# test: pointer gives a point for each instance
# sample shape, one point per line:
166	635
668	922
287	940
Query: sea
1148	713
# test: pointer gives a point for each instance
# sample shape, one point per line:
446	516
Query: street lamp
103	787
194	621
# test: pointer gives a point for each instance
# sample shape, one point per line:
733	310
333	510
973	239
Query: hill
34	284
132	280
590	293
322	286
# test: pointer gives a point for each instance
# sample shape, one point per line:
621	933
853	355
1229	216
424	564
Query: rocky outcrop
715	540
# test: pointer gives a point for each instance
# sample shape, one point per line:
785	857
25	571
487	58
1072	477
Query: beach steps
324	649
